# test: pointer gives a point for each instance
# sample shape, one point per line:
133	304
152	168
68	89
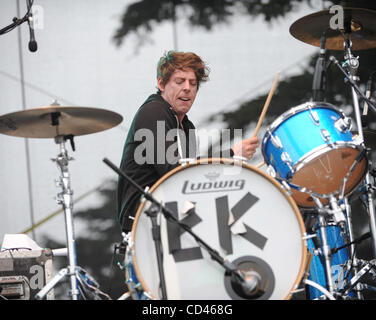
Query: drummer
161	133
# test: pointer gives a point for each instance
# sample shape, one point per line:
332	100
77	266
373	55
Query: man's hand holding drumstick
247	148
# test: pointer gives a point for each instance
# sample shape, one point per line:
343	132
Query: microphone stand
159	207
353	64
16	22
152	212
318	85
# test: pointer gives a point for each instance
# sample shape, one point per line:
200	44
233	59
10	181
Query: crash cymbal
52	121
359	27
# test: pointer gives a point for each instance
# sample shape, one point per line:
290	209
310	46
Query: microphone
364	116
33	46
318	85
250	282
247	283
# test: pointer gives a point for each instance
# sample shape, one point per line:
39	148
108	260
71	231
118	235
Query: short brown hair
174	60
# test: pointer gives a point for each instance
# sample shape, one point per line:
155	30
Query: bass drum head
240	212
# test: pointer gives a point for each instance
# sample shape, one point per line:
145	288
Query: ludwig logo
212	186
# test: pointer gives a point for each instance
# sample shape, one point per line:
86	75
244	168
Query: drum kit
252	219
223	229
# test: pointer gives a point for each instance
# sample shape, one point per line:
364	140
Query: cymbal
52	121
359	27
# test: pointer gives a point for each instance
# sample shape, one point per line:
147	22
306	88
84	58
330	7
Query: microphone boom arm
353	84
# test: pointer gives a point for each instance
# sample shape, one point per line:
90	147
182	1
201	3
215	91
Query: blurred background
103	54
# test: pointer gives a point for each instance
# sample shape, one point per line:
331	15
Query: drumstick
260	164
266	105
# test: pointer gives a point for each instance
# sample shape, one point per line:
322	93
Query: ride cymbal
358	26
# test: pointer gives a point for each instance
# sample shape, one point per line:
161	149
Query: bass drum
240	212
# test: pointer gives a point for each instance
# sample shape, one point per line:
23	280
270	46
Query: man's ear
160	84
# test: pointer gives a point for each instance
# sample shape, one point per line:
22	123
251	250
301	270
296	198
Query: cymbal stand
352	64
65	199
81	283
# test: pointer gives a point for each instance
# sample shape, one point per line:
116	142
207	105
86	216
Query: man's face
180	91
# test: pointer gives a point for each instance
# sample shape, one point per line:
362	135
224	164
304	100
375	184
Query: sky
78	64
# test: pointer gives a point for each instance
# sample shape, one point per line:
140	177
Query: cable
320	288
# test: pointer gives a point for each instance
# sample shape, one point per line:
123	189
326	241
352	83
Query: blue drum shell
301	137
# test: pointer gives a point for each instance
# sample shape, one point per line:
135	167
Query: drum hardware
82	285
236	274
368	267
65	199
153	212
286	187
351	243
354	87
326	251
326	137
270	170
343	123
285	157
187	161
276	141
134	288
350	266
330	217
363	154
240	159
336	213
314	116
353	64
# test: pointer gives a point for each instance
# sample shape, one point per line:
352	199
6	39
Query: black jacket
150	151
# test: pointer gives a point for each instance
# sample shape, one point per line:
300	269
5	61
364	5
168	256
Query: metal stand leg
355	269
353	64
65	199
326	250
371	211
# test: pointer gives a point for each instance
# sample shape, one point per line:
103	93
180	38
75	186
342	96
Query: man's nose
187	85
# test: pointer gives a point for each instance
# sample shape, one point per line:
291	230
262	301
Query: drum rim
318	151
294	206
300	108
314	154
